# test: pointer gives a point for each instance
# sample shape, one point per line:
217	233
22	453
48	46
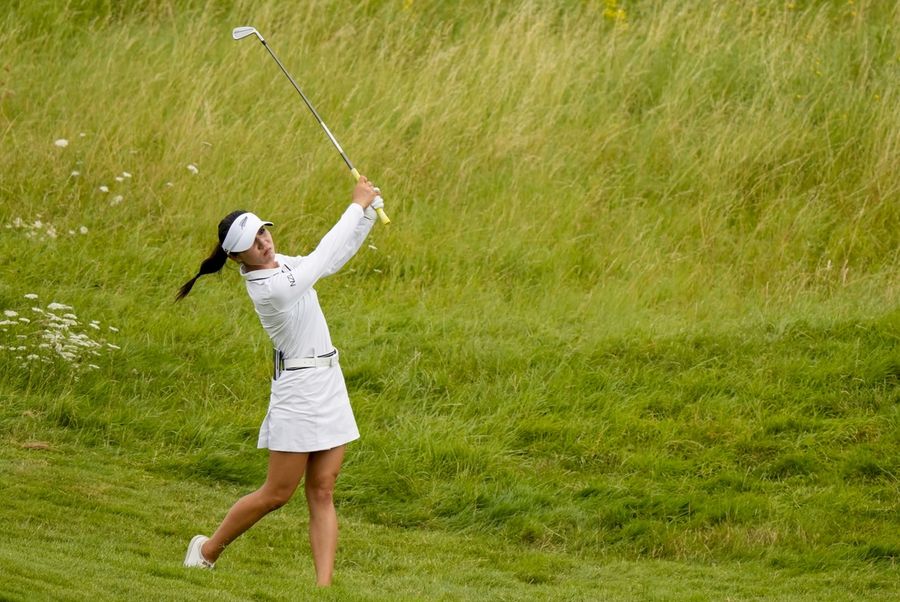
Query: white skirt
309	410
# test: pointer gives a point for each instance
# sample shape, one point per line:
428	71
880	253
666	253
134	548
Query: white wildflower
116	200
58	306
70	316
83	229
193	168
169	184
75	173
38	224
373	247
71	232
10	313
62	143
114	329
125	174
32	356
104	188
94	326
93	366
111	346
82	135
24	320
120	179
7	323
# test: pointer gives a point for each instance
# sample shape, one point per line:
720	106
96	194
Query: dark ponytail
216	260
211	265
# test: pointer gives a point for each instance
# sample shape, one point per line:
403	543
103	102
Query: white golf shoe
194	556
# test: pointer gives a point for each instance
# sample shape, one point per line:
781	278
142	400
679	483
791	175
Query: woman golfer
309	421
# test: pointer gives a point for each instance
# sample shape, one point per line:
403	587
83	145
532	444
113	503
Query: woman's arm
353	243
332	252
363	195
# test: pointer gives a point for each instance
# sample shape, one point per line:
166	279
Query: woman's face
261	255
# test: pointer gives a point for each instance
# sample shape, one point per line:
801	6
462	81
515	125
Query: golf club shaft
381	214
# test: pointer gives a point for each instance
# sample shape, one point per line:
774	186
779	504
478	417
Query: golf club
240	33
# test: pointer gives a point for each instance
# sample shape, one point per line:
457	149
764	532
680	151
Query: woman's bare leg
285	471
321	475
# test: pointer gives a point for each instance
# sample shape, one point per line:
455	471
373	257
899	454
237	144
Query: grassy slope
698	210
108	530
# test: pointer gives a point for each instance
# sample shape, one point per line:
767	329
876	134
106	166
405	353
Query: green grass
632	334
128	529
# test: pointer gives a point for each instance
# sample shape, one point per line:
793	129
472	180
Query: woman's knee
285	471
321	476
320	492
276	497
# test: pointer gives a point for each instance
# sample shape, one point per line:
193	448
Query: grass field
633	333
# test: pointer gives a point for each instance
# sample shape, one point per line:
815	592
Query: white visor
242	233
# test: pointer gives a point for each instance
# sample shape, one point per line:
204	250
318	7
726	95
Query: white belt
293	363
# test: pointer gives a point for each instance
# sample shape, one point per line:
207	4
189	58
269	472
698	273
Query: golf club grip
380	211
383	216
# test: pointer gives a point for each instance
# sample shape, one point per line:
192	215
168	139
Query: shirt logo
290	278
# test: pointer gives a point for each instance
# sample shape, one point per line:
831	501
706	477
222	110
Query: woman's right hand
364	192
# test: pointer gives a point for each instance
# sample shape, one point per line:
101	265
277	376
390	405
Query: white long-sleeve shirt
284	297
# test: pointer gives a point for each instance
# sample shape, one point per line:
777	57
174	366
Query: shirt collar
261	274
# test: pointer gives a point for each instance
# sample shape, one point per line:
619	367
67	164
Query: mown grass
110	530
637	312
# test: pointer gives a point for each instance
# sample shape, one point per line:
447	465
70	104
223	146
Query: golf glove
376	204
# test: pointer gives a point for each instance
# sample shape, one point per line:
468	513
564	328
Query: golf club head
239	33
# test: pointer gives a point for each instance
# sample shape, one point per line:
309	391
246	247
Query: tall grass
640	293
